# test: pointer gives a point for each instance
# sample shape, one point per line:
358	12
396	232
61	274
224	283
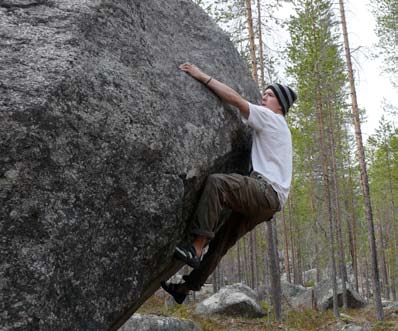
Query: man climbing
251	199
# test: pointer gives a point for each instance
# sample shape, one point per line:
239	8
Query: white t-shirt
271	149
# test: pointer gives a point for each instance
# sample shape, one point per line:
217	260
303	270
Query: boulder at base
324	295
321	295
139	322
104	147
290	290
232	300
297	295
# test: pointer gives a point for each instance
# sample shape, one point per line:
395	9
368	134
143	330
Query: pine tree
364	175
317	66
383	173
386	13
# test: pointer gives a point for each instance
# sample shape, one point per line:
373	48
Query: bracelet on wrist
208	81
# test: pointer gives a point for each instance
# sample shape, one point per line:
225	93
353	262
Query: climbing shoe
187	254
172	289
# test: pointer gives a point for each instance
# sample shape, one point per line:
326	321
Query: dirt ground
293	320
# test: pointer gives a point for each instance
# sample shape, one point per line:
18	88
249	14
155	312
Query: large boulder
232	300
104	147
387	304
323	292
139	322
351	327
321	295
297	295
290	290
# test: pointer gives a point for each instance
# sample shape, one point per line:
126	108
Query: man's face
270	101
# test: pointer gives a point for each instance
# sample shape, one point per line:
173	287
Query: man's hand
194	71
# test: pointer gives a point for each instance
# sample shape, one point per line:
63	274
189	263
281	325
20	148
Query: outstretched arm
226	93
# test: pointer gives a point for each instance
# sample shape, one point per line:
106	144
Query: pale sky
372	86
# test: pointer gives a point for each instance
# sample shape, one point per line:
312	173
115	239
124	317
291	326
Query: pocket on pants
267	198
272	198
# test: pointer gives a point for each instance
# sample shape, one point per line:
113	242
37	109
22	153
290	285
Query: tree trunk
251	40
313	215
353	230
343	270
361	275
246	260
386	290
252	259
257	237
215	280
292	242
325	176
394	241
239	263
364	175
368	294
286	255
299	258
266	260
393	290
260	45
274	270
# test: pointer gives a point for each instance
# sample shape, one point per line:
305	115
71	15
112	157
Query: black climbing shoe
172	290
187	254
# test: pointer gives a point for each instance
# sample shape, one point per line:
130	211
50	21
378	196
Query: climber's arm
226	93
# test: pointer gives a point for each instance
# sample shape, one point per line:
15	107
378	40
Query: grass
308	319
294	320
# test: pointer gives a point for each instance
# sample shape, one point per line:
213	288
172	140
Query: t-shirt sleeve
259	117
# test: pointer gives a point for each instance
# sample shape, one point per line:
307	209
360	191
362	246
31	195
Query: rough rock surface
158	323
289	291
297	295
304	299
320	296
324	295
389	304
232	300
352	327
292	290
104	146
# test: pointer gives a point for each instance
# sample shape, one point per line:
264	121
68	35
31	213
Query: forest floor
294	320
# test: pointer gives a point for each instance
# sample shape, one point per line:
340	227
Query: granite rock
232	300
104	147
158	323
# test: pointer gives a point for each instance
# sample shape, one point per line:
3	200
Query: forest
341	216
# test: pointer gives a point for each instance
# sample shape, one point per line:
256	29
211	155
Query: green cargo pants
251	200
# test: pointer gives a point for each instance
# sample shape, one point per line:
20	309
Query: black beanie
285	95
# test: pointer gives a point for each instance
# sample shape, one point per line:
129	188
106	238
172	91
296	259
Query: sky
372	86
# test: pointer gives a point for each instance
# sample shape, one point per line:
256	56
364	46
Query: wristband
207	83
